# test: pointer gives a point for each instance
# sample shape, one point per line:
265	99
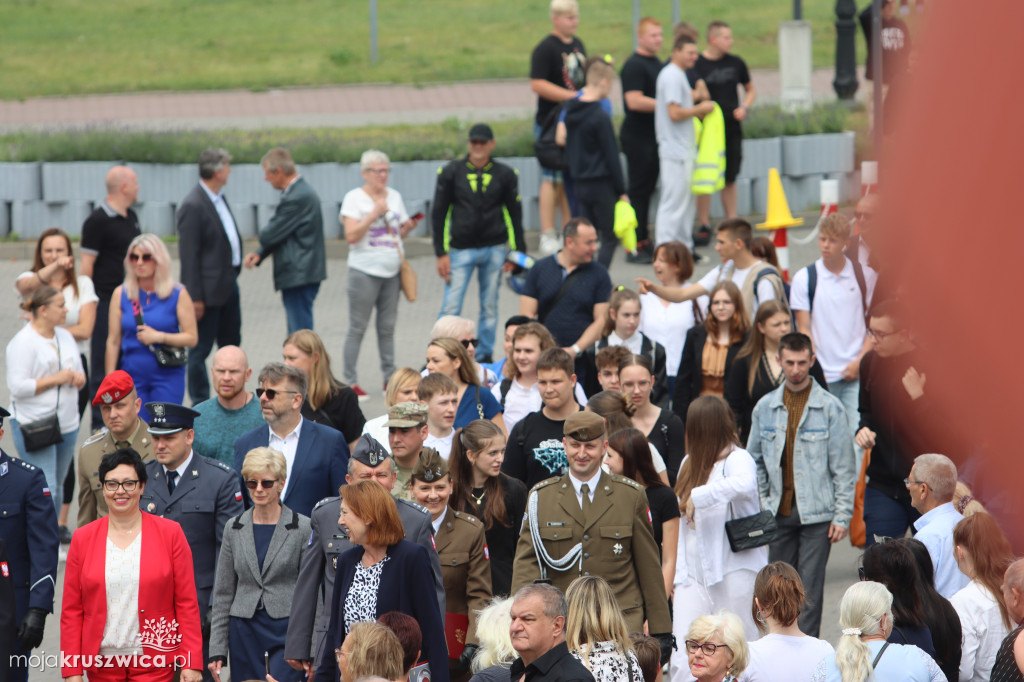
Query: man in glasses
28	526
317	455
199	493
932	483
119	404
892	402
476	218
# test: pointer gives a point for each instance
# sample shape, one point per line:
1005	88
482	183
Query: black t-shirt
722	76
559	63
568	319
895	47
108	234
534	451
639	73
664	507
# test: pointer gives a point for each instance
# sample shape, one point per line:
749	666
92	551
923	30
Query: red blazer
167	596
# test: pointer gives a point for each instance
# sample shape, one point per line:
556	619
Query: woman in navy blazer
382	573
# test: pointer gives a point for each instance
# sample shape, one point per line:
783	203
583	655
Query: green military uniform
406	415
91	503
614	541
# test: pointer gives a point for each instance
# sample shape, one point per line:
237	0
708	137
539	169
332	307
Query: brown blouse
712	368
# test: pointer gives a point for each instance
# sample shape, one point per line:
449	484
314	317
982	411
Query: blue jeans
487	260
885	516
298	306
848	393
53	460
221	324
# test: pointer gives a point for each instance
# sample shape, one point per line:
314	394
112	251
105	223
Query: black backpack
549	154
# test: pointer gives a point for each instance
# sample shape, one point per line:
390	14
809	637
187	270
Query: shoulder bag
46	431
166	356
407	275
752	531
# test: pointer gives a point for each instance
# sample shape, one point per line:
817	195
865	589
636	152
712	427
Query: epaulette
546	482
414	505
25	465
467	517
324	501
94	438
218	463
626	480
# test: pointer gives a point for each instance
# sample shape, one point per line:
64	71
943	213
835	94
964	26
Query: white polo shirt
837	323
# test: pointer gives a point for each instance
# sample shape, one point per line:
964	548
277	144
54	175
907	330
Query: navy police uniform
28	526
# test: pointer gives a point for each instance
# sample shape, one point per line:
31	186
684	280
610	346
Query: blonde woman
495	655
401	389
596	633
449	357
150	313
715	648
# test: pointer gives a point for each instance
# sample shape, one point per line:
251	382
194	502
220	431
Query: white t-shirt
668	325
521	401
86	294
765	290
633	343
983	630
31	356
442	445
783	658
837	322
377	252
675	138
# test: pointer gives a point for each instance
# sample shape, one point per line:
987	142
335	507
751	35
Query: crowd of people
642	476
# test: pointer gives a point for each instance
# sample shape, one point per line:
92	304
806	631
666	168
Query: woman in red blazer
150	620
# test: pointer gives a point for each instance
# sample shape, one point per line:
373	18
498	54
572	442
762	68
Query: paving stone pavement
264	331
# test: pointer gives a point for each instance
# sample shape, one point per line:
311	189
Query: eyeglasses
338	653
466	343
112	486
909	481
266	484
271	393
708	648
144	257
881	336
378	171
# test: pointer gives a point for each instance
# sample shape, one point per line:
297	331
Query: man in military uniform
369	462
407	429
119	405
199	493
28	526
462	549
587	522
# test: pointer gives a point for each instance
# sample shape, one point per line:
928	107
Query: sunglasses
467	342
144	257
266	484
271	393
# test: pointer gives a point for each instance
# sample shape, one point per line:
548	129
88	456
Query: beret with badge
115	386
430	466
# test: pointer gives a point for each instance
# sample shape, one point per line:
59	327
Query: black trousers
97	354
642	165
597	204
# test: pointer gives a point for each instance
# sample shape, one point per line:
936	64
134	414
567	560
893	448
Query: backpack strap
881	651
812	285
505	385
550	304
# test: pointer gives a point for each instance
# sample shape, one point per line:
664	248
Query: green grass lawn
62	47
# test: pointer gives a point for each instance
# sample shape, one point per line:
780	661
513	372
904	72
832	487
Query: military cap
167	418
369	451
430	466
404	415
584	426
115	386
3	413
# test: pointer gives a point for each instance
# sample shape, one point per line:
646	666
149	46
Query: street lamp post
845	83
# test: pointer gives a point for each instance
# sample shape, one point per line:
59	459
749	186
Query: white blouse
121	631
31	356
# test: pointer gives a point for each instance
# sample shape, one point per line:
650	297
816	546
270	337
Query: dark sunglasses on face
266	484
144	257
466	342
271	393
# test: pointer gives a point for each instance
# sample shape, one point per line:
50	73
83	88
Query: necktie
172	478
585	501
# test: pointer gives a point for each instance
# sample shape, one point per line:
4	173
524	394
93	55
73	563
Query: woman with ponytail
479	488
862	654
784	653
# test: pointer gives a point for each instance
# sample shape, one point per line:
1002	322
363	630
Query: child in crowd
441	395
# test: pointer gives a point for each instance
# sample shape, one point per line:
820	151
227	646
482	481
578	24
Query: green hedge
321	145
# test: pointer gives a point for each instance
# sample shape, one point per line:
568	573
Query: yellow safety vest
709	172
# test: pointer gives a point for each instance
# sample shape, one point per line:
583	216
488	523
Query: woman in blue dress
156	313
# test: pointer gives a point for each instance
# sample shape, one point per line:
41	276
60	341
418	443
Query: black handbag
752	531
166	356
46	431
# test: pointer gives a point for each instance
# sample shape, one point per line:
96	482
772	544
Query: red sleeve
72	612
186	604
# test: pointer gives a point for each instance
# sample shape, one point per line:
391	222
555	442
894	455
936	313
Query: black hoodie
590	148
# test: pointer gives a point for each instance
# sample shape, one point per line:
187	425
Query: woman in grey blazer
256	573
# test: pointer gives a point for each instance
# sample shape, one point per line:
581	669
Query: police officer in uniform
8	630
119	405
199	493
462	549
587	522
28	526
369	461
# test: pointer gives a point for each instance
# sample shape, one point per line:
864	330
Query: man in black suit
295	235
210	249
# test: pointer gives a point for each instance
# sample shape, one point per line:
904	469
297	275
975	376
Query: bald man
106	234
231	412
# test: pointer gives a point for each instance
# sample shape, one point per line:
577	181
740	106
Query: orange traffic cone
778	216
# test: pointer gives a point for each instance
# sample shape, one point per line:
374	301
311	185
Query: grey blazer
241	586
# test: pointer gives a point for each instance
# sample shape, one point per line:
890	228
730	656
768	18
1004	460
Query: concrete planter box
821	153
761	155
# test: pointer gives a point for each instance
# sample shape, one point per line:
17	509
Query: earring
760	617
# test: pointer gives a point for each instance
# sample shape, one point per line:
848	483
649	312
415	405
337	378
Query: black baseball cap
481	131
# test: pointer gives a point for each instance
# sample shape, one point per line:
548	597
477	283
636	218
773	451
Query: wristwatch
577	350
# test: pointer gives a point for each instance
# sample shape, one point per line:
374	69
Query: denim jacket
824	472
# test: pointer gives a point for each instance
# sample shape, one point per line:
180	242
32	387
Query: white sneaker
549	243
